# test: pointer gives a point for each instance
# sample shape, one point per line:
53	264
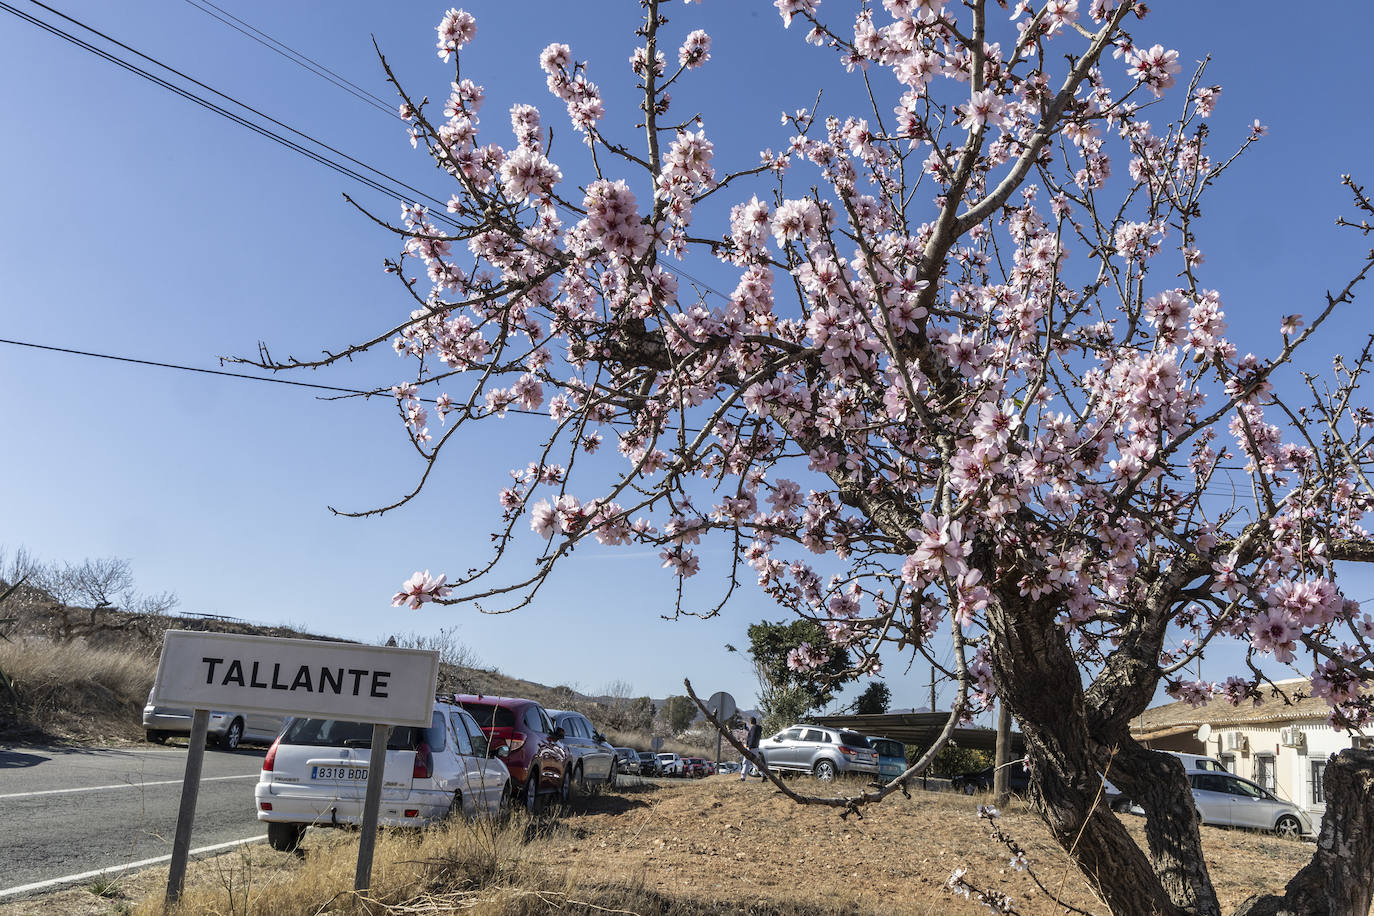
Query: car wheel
565	791
1288	826
157	737
532	791
504	805
610	778
455	807
968	788
824	770
1122	806
579	782
285	837
232	738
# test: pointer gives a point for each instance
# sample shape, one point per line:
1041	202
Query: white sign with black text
296	677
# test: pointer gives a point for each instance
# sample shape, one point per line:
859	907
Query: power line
296	57
203	371
224	112
315	68
439	214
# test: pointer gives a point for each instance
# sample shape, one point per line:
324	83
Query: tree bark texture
1037	677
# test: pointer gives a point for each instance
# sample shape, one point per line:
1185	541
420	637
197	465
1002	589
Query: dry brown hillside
83	674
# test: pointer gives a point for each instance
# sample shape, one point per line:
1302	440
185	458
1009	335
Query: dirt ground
722	838
727	845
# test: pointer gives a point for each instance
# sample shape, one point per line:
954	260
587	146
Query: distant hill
63	698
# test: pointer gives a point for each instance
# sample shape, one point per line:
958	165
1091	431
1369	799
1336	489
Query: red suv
539	764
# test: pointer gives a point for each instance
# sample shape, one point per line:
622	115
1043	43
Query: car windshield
489	715
338	733
853	739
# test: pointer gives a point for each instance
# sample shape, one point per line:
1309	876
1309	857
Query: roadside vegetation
711	846
73	691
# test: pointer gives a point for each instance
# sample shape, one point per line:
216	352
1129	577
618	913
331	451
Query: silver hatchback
823	752
1230	801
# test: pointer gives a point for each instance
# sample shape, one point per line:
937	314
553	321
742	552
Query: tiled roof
1282	705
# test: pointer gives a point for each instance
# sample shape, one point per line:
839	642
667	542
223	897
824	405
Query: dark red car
539	764
694	766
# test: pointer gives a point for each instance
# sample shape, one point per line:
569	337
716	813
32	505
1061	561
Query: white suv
670	764
316	774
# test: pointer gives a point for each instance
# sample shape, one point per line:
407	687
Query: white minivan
315	774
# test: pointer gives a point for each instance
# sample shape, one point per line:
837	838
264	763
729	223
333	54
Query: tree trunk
1157	783
1000	774
1038	679
1339	881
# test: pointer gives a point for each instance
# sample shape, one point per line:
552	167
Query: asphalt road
69	811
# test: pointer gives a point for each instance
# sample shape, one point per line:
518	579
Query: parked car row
477	756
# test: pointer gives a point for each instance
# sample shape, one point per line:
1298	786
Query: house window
1264	771
1316	787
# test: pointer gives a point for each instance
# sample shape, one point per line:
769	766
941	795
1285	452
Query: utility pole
932	688
1000	790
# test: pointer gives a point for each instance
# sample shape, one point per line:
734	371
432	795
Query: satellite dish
1204	731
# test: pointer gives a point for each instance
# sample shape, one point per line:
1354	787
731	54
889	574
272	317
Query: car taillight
270	760
516	741
847	751
266	806
424	762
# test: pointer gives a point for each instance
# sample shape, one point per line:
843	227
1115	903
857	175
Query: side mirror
598	737
503	752
557	734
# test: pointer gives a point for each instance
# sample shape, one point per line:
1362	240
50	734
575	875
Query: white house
1283	743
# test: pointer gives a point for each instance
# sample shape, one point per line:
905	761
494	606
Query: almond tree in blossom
969	376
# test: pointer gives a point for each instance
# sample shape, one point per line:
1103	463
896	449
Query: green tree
786	685
873	701
640	715
679	712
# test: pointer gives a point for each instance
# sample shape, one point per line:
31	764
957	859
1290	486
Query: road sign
296	677
382	685
656	745
722	706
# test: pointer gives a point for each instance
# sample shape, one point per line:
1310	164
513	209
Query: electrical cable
296	57
208	88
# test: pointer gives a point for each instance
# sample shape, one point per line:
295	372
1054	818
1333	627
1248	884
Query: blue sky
134	223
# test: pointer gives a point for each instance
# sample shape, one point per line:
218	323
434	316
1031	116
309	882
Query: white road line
115	869
122	785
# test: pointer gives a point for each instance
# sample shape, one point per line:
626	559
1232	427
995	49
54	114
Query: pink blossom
1155	68
528	173
420	588
543	519
1274	631
695	50
788	8
984	108
457	28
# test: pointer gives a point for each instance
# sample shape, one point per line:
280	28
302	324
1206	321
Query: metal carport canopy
920	729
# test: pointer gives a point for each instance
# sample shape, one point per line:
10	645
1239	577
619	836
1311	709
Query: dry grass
642	741
702	848
75	691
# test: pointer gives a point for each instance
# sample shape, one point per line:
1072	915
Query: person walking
751	741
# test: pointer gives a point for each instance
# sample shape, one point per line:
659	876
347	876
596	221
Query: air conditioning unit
1235	741
1293	737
